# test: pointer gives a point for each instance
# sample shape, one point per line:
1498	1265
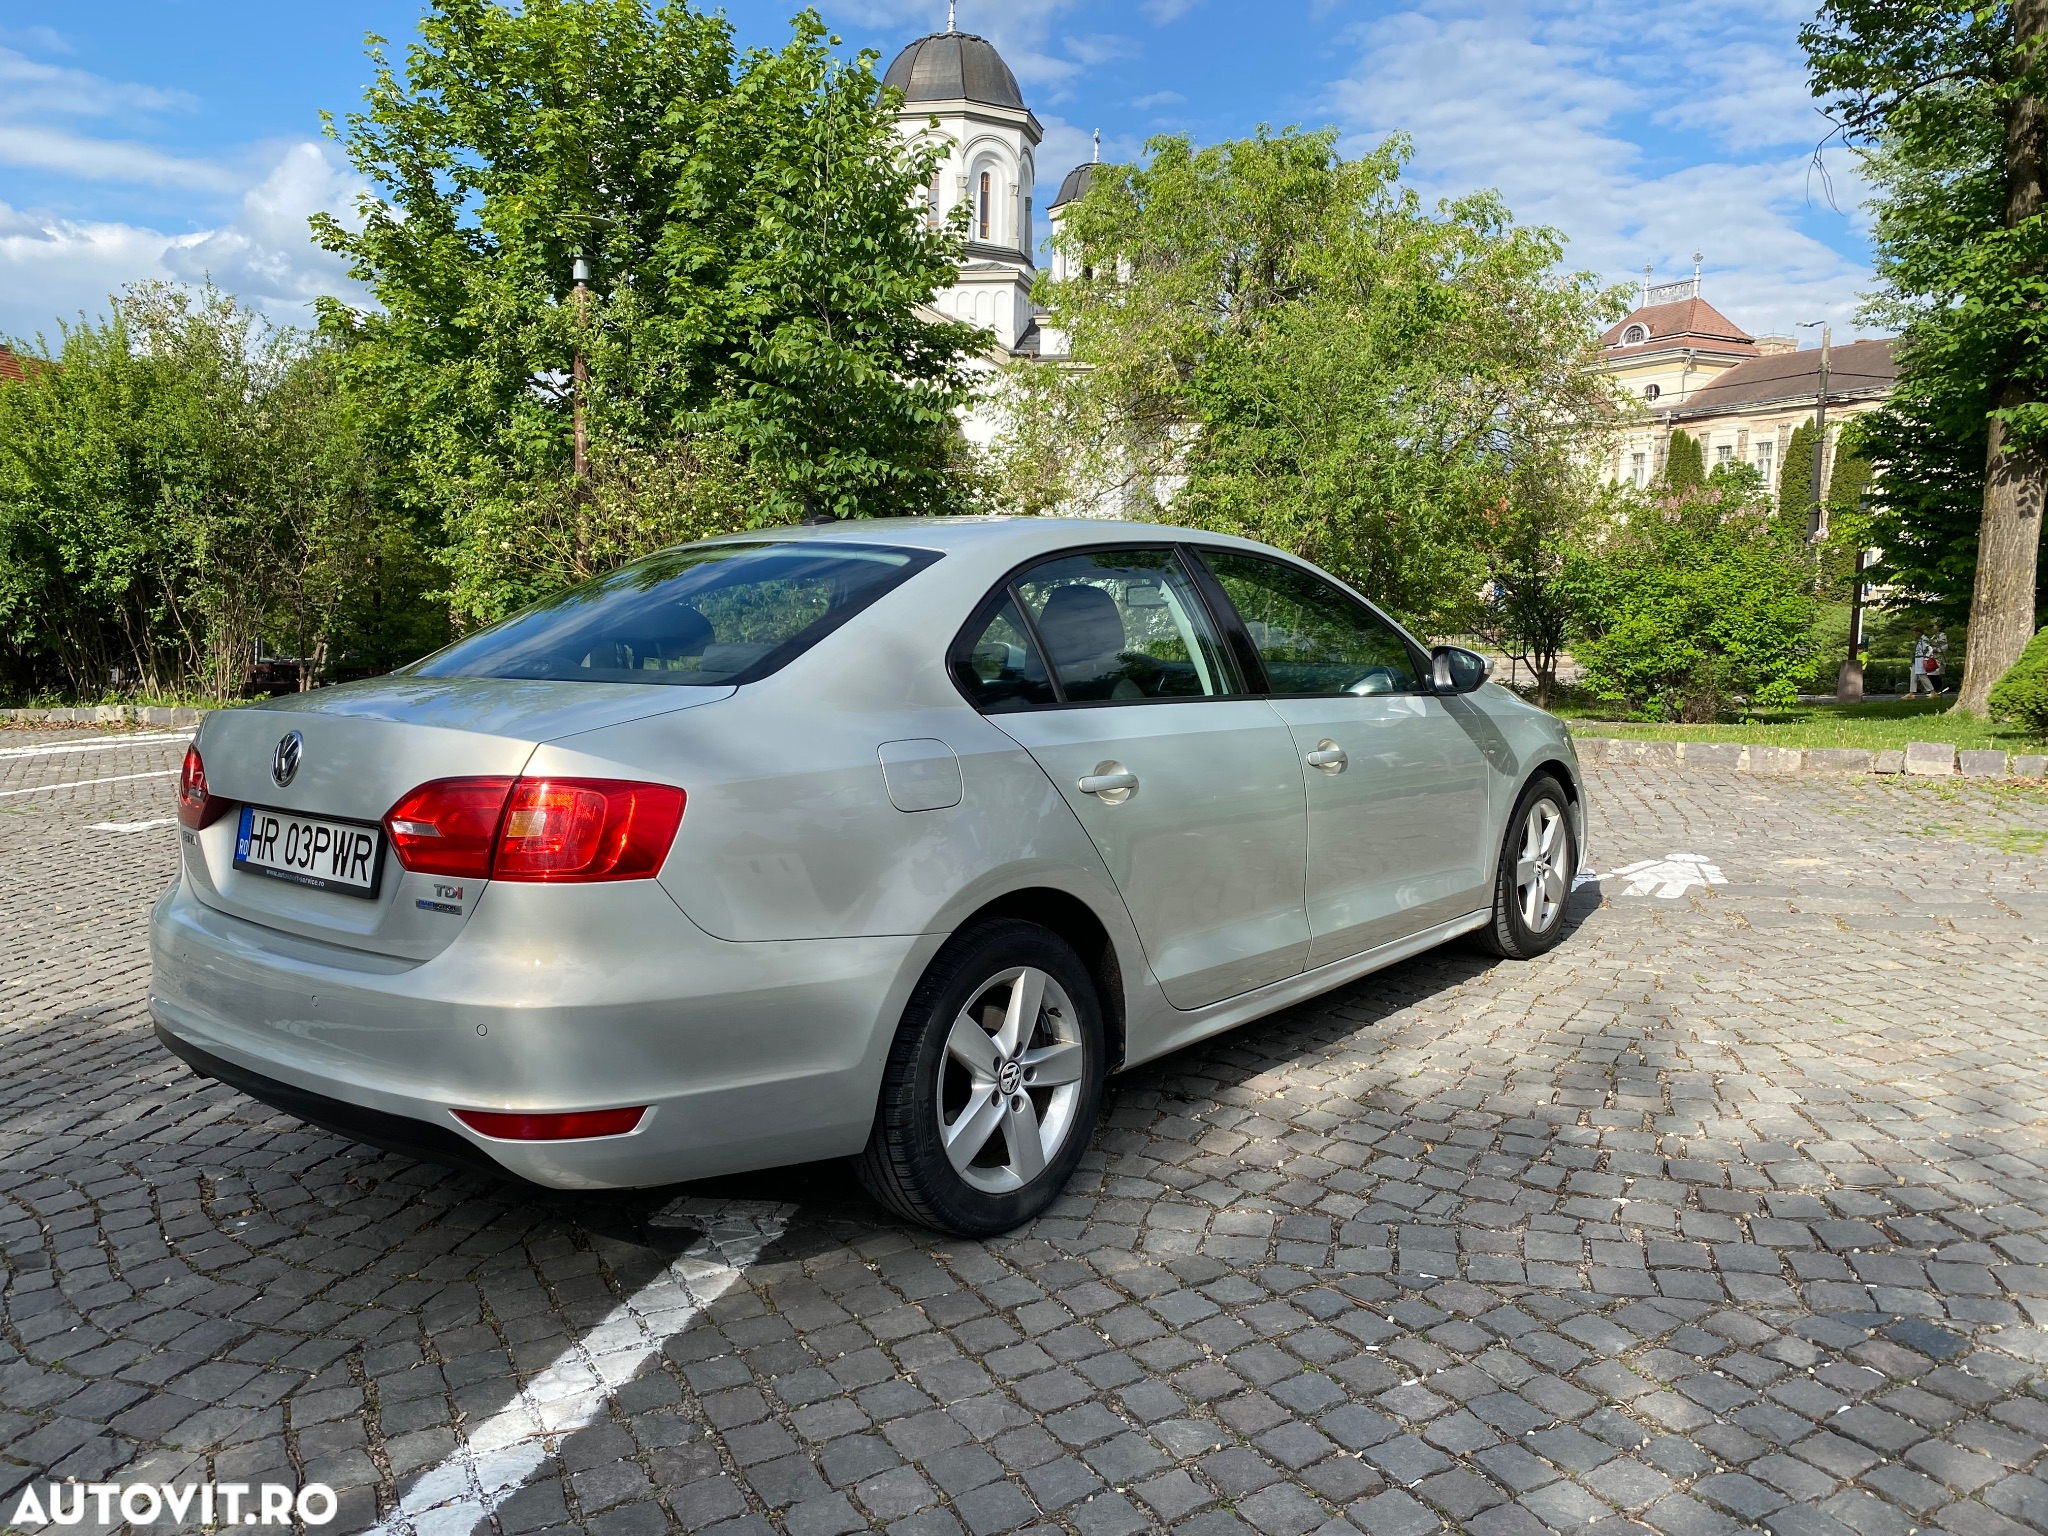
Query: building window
931	202
985	205
1639	470
1635	335
1766	456
1652	391
1725	454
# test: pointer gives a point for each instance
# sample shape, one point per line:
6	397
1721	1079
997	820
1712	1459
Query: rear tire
1533	883
992	1085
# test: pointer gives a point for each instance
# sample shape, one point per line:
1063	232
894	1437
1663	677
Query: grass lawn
1873	726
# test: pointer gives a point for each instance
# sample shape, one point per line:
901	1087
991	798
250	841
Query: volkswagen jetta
884	839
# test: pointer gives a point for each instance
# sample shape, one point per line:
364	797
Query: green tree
1954	98
756	263
1685	465
1281	342
1795	475
1688	602
178	483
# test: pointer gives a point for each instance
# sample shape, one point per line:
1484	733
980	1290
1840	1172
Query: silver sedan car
884	839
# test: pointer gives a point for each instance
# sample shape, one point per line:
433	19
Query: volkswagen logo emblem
284	762
1009	1077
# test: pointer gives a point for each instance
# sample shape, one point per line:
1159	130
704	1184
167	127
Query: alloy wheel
1541	870
1010	1080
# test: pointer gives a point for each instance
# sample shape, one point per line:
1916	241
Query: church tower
959	94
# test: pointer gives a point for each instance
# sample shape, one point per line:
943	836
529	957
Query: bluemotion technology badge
284	762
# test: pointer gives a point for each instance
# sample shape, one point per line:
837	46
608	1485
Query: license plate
342	856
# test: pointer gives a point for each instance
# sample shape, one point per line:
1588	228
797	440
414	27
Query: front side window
701	615
1312	638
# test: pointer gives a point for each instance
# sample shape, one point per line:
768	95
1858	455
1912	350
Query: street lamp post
579	371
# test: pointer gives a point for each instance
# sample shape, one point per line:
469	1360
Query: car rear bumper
551	999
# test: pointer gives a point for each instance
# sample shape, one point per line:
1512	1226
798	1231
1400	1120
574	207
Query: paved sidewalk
1733	1212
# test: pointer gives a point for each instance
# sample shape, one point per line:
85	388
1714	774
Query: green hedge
2021	696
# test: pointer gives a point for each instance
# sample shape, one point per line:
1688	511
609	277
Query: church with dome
960	96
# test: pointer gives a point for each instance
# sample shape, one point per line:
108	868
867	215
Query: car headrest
1080	622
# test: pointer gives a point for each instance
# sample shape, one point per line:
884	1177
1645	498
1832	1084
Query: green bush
2021	696
1690	604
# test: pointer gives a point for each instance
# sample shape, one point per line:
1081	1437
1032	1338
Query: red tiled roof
1855	368
10	365
1688	321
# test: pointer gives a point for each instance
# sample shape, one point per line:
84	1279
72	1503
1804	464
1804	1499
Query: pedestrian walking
1926	670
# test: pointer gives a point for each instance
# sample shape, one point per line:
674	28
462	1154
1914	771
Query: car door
1107	667
1398	821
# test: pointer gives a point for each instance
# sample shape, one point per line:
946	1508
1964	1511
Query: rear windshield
701	615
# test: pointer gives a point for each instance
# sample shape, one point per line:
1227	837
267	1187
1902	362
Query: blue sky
178	139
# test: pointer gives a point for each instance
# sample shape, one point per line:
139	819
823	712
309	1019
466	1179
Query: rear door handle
1327	756
1111	783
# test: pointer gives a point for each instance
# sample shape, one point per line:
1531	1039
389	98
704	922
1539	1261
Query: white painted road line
496	1456
91	744
133	826
112	778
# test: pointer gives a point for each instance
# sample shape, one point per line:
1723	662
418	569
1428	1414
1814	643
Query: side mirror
1453	669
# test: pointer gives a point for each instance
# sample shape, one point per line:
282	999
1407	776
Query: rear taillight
448	827
575	1126
536	829
587	829
196	808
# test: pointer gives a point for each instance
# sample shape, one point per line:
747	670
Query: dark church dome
954	66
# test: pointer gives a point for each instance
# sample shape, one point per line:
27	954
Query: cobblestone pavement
1732	1212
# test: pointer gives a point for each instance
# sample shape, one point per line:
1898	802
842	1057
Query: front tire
992	1084
1533	882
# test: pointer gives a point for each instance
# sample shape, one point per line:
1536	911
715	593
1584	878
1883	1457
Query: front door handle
1111	783
1327	756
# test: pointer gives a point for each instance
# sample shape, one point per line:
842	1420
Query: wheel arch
1067	915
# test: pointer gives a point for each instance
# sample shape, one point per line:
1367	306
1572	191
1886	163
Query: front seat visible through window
1189	787
1397	790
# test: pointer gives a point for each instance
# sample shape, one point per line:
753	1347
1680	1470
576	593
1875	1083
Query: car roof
1025	536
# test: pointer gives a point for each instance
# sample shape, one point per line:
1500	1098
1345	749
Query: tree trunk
2009	538
2008	547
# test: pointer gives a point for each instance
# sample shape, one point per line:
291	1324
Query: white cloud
1164	12
1159	99
115	160
1640	142
53	267
32	89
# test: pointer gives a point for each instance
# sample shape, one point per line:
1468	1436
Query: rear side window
702	615
1312	638
1121	626
1002	670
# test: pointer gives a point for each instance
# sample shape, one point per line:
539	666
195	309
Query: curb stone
103	714
1921	758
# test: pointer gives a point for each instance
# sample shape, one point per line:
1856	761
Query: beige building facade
1684	366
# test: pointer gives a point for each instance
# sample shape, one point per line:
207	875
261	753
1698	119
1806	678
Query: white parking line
112	778
133	826
91	744
496	1456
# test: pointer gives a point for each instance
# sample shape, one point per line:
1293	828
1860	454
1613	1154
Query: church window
931	202
984	207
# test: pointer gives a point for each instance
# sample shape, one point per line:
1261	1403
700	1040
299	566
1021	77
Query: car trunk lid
361	748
